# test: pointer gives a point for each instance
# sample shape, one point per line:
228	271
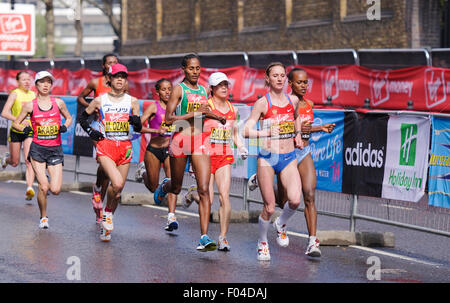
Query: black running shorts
52	155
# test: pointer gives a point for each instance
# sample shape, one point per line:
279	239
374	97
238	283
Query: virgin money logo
330	78
435	87
12	24
250	84
117	117
379	87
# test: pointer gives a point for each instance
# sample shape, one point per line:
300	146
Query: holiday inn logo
408	144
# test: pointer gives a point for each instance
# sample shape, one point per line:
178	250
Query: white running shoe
263	251
223	244
187	199
139	176
282	238
105	235
43	223
3	160
107	222
313	249
172	223
252	183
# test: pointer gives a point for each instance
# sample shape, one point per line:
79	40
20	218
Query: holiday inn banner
405	171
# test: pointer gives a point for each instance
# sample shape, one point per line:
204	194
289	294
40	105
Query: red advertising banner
17	29
347	85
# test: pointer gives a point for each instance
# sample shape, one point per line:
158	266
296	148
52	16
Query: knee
152	188
44	188
55	191
203	191
175	189
117	188
309	198
270	210
14	163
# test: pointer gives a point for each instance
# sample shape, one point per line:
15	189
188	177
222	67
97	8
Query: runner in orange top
220	152
99	86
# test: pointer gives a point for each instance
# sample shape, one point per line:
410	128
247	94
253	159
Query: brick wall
173	26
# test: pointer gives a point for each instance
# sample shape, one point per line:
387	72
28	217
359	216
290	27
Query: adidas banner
439	173
364	154
406	158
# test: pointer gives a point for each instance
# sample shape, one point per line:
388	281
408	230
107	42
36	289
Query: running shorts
302	153
220	161
119	151
52	155
18	137
186	145
160	153
277	161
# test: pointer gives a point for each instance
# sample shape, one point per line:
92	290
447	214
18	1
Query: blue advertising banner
439	166
67	138
327	151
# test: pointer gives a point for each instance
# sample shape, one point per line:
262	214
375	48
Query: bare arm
26	110
259	108
64	112
6	112
92	85
236	138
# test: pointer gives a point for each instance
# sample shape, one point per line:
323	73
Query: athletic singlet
114	117
191	99
158	121
220	135
306	113
281	117
101	89
21	98
46	124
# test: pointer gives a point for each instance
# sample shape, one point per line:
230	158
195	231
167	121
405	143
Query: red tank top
306	113
220	135
101	89
282	117
46	124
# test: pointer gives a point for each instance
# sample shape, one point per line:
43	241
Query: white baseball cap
217	78
42	74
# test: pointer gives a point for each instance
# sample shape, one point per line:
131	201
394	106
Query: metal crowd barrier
372	58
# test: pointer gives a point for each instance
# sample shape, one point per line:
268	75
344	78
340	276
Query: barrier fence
390	167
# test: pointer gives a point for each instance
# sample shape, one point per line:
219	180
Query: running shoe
43	223
282	238
139	176
263	251
107	222
160	194
313	249
187	200
29	194
3	160
206	244
252	183
97	204
105	235
223	244
172	223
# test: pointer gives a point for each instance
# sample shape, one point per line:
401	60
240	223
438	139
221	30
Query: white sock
286	213
170	215
263	227
312	239
97	189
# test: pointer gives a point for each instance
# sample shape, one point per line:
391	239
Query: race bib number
117	128
286	130
220	136
47	132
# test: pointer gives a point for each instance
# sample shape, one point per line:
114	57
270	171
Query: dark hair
158	83
20	73
189	57
106	56
293	71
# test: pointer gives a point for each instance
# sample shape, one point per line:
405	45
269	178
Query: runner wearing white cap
220	151
45	150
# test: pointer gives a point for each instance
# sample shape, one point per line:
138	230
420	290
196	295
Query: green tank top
191	99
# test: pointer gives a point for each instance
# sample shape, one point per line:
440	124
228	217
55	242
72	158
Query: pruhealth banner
68	138
406	165
327	150
439	172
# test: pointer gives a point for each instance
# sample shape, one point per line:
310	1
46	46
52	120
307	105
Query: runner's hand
95	134
136	122
62	129
27	130
243	152
328	128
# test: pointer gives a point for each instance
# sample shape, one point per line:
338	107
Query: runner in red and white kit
45	150
117	111
99	86
220	151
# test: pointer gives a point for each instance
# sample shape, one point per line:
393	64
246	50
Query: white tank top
114	118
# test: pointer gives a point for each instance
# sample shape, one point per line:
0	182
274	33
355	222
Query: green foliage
41	46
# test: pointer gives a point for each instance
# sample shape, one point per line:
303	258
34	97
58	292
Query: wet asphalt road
141	251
